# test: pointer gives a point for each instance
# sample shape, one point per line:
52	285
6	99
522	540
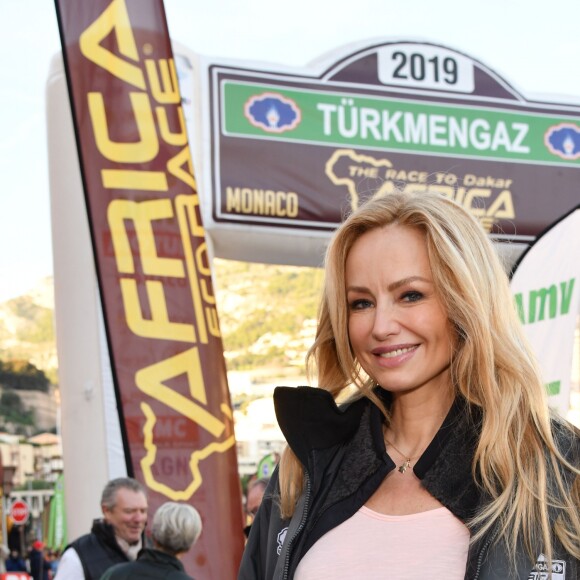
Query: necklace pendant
405	465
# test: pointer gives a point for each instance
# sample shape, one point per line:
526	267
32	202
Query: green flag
267	465
57	536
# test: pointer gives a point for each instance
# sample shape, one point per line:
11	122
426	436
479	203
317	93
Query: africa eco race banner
546	287
153	268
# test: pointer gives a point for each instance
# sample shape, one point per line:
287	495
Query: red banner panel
153	268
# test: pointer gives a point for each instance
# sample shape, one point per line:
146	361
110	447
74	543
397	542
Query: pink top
431	544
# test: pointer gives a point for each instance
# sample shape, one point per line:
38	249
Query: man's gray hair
109	495
176	527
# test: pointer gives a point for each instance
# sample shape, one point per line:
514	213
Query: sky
533	44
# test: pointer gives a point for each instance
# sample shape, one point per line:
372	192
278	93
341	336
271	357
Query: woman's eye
412	296
360	304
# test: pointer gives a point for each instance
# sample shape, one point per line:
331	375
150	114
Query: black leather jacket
150	564
344	456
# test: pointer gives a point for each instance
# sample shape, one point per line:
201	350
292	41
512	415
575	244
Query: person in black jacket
39	565
176	527
15	562
445	460
116	538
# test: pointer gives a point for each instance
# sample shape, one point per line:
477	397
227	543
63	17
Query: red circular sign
19	512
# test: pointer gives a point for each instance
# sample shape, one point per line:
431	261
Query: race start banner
546	288
292	151
153	268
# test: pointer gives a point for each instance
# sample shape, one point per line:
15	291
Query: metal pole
4	532
23	546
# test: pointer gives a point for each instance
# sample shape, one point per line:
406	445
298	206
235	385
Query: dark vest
98	550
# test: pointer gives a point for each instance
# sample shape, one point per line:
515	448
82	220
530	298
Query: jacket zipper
298	529
482	554
480	559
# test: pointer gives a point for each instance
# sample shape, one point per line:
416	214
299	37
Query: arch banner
294	150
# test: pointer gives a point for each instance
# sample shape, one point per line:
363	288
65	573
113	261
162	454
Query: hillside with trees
267	313
27	329
27	404
267	317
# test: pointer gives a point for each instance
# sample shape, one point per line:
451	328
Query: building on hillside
37	458
19	454
48	461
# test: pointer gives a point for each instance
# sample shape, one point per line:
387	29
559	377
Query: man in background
175	528
254	495
114	539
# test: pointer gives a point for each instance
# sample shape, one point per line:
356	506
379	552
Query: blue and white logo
563	140
272	112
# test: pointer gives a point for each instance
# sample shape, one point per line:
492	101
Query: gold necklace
407	463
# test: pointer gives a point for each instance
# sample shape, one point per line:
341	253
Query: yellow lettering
151	381
176	165
292	204
202	263
145	149
280	197
503	206
136	180
141	214
212	321
473	194
165	91
159	326
233	199
262	202
187	207
114	18
270	208
178	139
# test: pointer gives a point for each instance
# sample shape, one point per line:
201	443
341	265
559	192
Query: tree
13	411
23	375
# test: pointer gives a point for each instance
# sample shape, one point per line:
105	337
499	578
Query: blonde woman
447	463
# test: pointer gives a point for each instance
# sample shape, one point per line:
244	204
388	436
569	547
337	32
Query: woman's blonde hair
493	368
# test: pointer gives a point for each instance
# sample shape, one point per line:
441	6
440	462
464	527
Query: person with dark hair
176	527
53	557
39	564
15	562
428	449
114	539
254	496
